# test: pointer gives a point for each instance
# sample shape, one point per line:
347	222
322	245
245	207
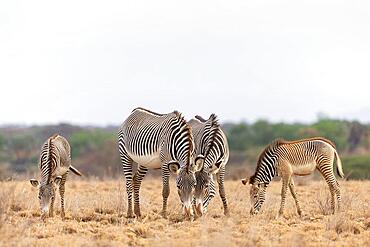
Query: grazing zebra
54	164
157	141
212	153
288	158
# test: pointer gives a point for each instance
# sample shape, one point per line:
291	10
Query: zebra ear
34	182
199	162
174	167
247	181
57	180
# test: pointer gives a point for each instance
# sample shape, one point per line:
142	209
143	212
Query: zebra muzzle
43	215
188	211
199	209
253	212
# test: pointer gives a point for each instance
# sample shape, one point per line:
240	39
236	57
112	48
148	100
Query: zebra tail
339	165
75	171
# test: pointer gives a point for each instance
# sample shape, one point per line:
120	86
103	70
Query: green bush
356	167
88	141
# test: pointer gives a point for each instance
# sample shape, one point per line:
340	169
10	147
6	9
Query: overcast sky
92	62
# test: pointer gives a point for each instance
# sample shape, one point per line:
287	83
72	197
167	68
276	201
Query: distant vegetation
94	150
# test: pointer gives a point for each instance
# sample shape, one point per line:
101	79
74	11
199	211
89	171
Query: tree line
94	149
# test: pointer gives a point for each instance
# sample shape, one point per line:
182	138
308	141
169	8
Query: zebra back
55	149
145	132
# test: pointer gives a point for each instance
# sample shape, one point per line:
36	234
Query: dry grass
95	217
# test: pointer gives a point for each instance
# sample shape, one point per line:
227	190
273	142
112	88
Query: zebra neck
265	172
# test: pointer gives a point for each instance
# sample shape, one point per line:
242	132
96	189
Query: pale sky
92	62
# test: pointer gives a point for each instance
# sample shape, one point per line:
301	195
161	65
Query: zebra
157	141
54	164
212	154
287	158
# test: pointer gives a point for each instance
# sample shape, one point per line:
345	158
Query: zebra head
46	193
257	194
203	180
185	182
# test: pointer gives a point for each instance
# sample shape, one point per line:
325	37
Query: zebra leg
127	170
292	191
165	189
210	193
51	210
337	192
61	193
326	171
221	180
284	189
138	177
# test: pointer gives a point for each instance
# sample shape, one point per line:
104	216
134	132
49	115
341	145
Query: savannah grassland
95	216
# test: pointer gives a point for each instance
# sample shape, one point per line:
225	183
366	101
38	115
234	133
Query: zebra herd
197	153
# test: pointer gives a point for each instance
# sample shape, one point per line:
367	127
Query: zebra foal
287	158
54	164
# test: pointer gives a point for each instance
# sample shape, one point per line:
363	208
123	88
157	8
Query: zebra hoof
139	217
227	212
198	209
164	214
43	217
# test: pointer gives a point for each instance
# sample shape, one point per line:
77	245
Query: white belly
304	169
150	161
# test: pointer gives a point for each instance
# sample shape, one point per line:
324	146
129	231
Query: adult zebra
288	158
54	164
157	141
212	154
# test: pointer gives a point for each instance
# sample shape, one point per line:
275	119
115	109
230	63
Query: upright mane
282	141
187	128
273	144
214	128
49	157
152	112
270	146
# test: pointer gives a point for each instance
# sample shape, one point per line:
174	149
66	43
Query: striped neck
266	168
47	162
182	140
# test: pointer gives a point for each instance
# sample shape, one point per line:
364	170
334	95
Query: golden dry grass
95	217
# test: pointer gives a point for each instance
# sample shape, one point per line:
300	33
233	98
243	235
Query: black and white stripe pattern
212	154
157	141
54	164
287	158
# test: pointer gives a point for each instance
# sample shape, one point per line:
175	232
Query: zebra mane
282	141
143	109
214	128
49	157
270	146
187	127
